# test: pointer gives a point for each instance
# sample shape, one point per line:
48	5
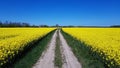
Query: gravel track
70	61
47	58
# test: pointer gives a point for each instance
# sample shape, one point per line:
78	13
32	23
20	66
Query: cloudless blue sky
62	12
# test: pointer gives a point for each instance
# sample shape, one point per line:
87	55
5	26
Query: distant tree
57	25
0	23
33	25
13	24
115	26
43	26
25	24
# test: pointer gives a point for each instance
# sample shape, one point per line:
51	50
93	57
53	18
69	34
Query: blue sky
62	12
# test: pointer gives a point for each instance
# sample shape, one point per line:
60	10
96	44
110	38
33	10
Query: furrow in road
70	61
47	58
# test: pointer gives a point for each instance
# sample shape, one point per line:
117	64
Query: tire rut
47	58
70	61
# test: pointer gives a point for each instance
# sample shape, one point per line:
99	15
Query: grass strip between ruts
58	55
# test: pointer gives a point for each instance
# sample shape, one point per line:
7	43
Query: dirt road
70	61
47	58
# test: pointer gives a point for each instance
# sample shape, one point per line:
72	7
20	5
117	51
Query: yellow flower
13	40
102	40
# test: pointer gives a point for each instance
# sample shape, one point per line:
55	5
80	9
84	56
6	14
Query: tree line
19	24
14	24
24	24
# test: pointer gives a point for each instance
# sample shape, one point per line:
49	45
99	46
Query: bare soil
70	61
47	58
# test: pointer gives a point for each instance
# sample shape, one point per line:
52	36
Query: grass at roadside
82	53
58	55
30	55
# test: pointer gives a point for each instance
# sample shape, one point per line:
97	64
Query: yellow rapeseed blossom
13	40
102	40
